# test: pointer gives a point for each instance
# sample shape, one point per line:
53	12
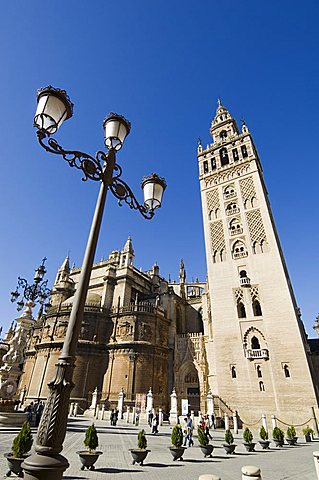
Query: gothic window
217	212
191	378
233	372
261	386
223	135
235	154
257	308
259	374
222	255
231	209
229	191
239	250
213	163
286	371
241	310
205	165
255	345
224	160
244	151
235	227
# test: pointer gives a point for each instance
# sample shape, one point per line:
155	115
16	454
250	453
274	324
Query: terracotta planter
138	455
264	444
88	459
177	452
250	447
14	464
229	449
207	450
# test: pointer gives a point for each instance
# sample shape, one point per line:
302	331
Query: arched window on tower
233	372
239	249
255	345
223	135
241	310
261	386
286	371
224	160
257	308
235	227
258	369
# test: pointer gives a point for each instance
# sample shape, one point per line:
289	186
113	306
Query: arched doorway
192	391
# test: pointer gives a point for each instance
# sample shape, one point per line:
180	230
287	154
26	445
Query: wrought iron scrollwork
94	168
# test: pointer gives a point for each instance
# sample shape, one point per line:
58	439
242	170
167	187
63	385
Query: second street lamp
54	106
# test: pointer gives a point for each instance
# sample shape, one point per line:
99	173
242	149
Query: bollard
273	421
316	460
226	421
264	421
250	472
102	412
75	411
160	417
127	414
209	476
71	409
235	421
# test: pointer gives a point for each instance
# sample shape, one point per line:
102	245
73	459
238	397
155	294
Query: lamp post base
44	467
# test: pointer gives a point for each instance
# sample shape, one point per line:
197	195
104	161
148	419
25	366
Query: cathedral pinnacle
182	272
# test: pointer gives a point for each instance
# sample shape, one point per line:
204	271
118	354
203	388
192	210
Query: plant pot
264	444
14	464
229	449
278	443
308	437
292	441
250	447
138	455
177	452
207	450
88	459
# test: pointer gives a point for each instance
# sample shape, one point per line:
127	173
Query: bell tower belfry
256	345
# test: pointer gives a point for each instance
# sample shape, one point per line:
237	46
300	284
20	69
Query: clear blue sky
163	65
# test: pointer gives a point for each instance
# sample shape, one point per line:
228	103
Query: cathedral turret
127	254
63	287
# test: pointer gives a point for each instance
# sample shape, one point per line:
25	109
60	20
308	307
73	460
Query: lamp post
32	294
54	106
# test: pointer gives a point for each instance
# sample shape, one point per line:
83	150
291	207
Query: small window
259	374
235	154
241	310
244	151
243	274
255	345
257	308
223	135
261	386
213	162
233	372
205	164
286	371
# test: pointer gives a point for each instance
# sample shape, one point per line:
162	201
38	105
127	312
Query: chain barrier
295	425
251	424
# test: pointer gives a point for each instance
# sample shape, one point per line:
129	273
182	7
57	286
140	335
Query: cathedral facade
237	336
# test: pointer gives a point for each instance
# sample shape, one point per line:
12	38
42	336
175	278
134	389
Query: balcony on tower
260	353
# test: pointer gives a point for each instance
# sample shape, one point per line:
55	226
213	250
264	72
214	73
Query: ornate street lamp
35	293
54	106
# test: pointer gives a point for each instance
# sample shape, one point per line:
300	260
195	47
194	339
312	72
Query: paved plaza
116	462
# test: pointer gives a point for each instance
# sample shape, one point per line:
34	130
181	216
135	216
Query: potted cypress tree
264	442
308	433
204	444
248	440
291	435
229	446
21	446
90	456
140	453
278	436
177	449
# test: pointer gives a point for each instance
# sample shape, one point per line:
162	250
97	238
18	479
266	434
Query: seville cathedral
238	336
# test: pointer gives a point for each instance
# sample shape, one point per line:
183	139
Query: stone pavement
287	463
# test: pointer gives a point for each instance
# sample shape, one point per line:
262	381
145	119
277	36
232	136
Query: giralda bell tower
256	345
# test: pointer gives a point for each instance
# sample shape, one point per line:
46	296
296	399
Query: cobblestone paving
287	463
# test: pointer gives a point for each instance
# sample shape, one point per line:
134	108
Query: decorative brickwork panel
254	293
255	226
212	198
247	188
239	295
217	236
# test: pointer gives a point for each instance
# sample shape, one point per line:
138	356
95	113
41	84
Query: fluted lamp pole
54	107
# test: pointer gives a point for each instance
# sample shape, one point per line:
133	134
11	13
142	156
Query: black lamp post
35	293
54	106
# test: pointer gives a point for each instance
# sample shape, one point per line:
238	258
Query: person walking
213	421
207	426
154	425
189	431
